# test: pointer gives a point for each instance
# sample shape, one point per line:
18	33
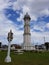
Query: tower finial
27	16
26	13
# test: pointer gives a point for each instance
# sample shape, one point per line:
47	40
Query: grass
27	58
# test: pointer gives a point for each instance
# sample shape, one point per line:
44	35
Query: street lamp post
9	38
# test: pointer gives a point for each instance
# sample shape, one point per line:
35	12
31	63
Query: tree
47	45
0	44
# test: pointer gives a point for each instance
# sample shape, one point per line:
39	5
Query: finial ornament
26	16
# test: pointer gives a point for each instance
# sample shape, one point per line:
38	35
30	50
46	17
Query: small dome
27	16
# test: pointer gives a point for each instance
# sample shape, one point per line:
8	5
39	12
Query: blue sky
11	17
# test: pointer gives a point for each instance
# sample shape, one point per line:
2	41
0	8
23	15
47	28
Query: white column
8	58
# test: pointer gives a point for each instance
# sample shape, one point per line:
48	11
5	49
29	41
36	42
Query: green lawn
27	58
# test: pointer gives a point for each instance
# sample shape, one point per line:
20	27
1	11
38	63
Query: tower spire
26	16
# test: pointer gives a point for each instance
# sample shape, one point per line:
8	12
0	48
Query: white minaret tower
27	35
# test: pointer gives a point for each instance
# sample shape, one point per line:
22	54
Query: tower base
28	48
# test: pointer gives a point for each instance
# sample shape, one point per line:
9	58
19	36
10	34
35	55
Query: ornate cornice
27	34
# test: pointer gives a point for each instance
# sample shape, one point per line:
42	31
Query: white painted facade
27	35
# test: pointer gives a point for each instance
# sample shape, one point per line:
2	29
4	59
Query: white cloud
38	37
34	8
45	12
31	6
16	6
38	28
47	25
5	26
4	4
21	17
